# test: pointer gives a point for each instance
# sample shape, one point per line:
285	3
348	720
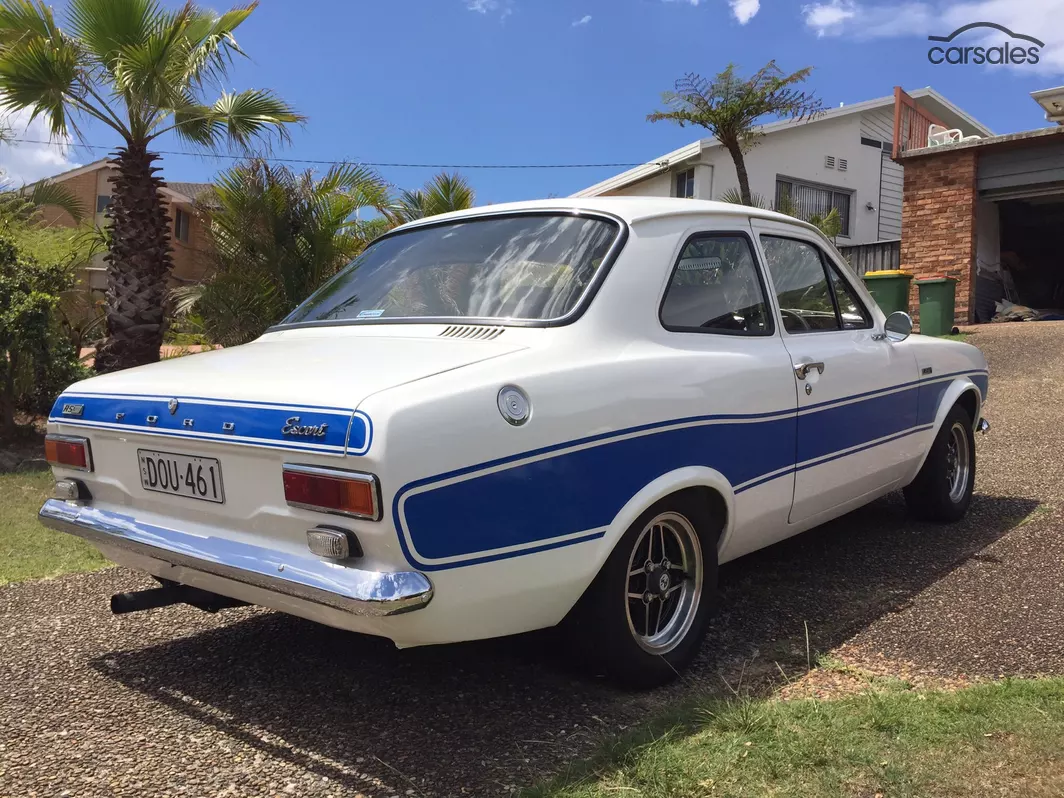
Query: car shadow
482	718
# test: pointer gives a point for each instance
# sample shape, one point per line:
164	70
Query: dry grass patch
1000	738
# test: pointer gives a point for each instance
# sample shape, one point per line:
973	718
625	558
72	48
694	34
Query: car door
733	372
857	393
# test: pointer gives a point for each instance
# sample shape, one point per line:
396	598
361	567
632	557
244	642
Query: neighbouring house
91	184
842	159
989	213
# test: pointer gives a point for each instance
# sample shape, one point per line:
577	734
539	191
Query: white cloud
27	163
744	10
582	21
923	19
828	18
502	7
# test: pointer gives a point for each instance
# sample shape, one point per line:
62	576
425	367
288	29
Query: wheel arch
708	484
961	392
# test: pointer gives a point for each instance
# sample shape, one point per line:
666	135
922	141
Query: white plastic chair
938	135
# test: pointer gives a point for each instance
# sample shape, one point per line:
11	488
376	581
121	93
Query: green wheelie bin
890	289
937	297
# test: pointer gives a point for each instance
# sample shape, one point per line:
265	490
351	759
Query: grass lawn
27	549
1002	738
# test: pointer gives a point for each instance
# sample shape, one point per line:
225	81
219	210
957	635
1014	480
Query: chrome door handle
801	370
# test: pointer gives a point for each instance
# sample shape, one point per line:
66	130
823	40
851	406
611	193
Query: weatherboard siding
890	198
878	124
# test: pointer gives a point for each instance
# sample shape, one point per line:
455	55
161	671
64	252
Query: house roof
188	192
935	102
1052	102
180	191
69	173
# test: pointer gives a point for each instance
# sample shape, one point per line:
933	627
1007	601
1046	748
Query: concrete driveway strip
253	703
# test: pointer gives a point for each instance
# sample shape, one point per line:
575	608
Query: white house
840	159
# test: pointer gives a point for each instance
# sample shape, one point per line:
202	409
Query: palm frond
442	194
448	192
25	18
183	299
107	27
735	197
728	105
212	43
58	195
38	74
237	119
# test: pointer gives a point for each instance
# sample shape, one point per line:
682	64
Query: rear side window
716	288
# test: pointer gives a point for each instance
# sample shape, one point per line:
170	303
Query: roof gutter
638	173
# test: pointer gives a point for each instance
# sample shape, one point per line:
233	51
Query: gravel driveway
248	702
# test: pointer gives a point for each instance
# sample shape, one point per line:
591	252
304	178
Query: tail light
332	491
68	451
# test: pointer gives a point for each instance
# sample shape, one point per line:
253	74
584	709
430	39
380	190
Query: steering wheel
799	316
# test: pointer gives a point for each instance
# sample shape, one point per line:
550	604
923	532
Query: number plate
181	475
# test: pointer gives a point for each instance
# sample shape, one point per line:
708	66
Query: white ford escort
501	419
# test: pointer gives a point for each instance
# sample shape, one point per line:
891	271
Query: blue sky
571	81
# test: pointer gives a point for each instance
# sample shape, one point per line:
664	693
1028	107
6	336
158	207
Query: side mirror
899	326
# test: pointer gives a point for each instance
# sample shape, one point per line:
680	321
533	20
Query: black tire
937	494
599	627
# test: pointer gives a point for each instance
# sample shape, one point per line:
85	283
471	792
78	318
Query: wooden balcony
911	123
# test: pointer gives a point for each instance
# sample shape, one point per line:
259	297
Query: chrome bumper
983	426
309	579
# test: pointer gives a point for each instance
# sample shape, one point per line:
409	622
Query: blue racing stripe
510	503
327	430
583	489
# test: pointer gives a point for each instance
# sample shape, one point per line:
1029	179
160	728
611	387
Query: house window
685	184
103	202
181	221
810	199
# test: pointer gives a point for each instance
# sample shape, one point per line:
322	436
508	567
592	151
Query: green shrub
36	359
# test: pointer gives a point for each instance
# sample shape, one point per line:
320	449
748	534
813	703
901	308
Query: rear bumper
306	579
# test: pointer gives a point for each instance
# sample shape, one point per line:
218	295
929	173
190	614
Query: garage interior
1019	259
1019	274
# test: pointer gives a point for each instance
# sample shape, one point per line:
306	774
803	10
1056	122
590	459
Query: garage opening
1019	259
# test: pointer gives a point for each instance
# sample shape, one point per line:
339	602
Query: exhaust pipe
168	595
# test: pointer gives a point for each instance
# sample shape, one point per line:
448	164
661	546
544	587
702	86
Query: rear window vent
829	161
842	164
471	332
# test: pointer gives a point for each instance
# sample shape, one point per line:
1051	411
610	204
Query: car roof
633	210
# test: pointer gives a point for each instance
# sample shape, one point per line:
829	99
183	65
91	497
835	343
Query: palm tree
444	193
140	70
277	237
729	106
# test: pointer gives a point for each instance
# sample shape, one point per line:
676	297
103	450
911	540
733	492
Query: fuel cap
514	405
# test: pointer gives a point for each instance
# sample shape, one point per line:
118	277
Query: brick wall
938	224
83	187
190	257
